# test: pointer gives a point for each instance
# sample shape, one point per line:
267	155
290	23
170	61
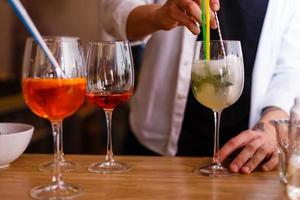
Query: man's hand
146	19
183	12
258	145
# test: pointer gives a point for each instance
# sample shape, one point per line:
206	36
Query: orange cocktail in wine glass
54	97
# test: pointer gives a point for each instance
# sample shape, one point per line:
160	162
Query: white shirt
157	108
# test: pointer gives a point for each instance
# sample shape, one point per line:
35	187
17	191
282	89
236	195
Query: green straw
204	28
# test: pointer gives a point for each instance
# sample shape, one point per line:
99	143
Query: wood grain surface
150	178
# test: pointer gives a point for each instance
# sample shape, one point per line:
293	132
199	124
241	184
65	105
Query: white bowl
14	139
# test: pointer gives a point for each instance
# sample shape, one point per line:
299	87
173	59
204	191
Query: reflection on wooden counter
150	178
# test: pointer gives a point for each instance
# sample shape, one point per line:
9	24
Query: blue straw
24	17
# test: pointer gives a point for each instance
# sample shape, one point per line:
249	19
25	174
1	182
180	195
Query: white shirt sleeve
114	14
285	83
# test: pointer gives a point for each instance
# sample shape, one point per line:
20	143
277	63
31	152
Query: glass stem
56	129
61	146
109	149
216	156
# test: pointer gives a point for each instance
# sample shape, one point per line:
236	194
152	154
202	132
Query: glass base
54	191
213	170
109	167
65	166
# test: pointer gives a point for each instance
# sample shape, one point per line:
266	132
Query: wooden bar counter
150	178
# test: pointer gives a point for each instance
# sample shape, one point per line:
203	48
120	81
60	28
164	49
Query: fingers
236	143
272	163
192	8
253	153
215	5
213	21
185	20
255	150
259	156
248	153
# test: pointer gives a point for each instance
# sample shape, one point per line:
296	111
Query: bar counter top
150	178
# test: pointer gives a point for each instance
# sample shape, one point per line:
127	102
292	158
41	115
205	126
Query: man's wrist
273	113
267	115
269	109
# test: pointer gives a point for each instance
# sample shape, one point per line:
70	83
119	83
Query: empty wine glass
110	84
217	83
54	96
283	129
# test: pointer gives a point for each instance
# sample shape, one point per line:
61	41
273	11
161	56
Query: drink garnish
219	81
